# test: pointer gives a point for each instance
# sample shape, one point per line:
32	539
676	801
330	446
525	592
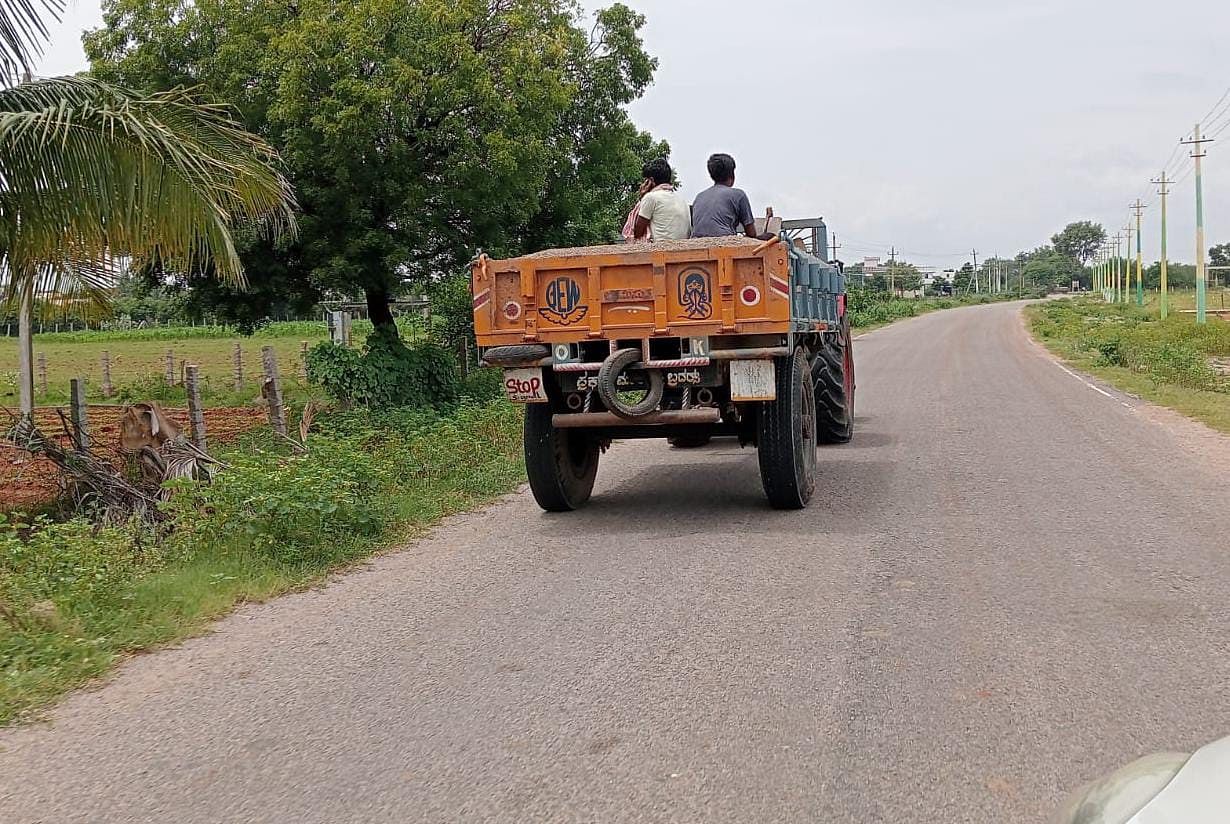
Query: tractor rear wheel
561	463
833	374
787	435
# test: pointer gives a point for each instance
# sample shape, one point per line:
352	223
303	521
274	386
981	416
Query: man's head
722	169
659	171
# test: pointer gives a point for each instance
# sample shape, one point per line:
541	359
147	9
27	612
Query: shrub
292	509
1182	365
387	373
56	571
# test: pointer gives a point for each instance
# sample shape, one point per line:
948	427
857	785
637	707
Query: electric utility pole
977	284
892	269
835	246
1163	297
1100	271
1127	264
1201	274
1139	207
1117	277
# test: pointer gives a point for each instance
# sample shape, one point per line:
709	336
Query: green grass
1185	299
1168	362
75	599
138	361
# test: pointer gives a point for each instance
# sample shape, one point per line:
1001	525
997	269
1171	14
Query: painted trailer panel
696	288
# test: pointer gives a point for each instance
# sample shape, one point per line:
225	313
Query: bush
66	567
1180	364
291	509
387	373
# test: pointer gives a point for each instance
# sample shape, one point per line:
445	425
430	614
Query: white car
1165	788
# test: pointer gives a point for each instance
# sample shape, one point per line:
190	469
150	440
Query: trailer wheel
833	374
561	463
787	436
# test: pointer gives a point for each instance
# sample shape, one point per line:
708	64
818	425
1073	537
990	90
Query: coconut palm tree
91	173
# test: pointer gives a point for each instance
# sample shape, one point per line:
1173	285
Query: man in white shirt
663	214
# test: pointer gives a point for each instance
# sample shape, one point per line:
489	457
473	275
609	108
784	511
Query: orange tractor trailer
681	340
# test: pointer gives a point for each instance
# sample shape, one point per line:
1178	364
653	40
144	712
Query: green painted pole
1118	272
1201	272
1202	277
1140	278
1164	297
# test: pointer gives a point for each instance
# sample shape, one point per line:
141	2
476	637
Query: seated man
662	211
722	210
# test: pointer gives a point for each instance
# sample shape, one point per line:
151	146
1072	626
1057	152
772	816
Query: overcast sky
937	127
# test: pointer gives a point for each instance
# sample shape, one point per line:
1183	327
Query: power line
1225	96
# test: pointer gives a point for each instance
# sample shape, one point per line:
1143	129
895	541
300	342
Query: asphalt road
1011	583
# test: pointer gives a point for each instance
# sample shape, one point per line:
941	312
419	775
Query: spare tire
516	355
608	386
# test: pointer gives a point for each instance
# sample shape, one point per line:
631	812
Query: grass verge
74	598
1174	363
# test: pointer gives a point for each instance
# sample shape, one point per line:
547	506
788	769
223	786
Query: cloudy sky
939	126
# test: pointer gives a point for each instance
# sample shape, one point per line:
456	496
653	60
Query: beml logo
516	386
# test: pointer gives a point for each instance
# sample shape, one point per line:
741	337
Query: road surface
1012	582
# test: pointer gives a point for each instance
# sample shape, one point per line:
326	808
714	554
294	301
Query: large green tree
415	131
1080	241
1046	267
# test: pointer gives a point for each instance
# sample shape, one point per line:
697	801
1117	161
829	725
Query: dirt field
27	481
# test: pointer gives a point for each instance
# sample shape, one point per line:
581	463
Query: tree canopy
1080	241
1220	255
415	131
1046	267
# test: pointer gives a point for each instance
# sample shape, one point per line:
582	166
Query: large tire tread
559	482
784	472
834	418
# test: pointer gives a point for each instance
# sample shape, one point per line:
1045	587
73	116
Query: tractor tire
833	375
561	463
786	430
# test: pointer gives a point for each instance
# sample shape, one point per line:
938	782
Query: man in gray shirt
722	210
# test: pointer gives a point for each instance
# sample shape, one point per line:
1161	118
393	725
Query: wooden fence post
170	367
272	390
107	389
42	373
77	414
237	371
196	413
303	355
